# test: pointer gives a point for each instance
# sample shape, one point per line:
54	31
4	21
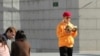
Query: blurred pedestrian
66	32
4	50
8	35
20	47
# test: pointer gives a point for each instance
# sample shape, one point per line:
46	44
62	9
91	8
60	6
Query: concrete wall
1	16
10	12
89	21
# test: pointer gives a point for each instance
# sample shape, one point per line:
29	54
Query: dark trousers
66	51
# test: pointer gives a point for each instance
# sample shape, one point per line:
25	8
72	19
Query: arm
74	33
12	48
59	31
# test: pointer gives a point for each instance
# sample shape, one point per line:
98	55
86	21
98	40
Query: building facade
39	18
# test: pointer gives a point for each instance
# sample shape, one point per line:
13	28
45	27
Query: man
66	32
8	35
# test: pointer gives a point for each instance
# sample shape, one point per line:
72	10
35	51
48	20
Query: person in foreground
8	35
66	32
4	50
20	47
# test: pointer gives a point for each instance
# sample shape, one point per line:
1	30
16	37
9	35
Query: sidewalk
57	54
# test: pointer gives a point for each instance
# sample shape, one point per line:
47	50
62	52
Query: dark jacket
20	48
4	36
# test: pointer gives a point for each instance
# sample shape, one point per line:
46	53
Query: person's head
67	16
20	35
10	32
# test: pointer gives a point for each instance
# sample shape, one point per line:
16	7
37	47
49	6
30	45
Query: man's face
11	35
66	19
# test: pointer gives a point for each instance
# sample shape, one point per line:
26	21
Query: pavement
74	54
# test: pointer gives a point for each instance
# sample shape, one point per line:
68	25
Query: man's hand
74	29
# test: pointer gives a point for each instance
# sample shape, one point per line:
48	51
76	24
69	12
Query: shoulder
60	24
26	44
3	37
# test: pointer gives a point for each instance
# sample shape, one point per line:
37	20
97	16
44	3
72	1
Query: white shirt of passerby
9	44
4	50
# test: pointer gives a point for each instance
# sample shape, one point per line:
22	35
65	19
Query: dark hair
2	40
20	35
10	29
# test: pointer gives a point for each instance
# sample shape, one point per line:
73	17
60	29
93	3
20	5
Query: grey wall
39	20
10	12
1	16
89	20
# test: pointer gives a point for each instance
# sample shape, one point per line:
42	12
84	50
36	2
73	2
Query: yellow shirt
64	38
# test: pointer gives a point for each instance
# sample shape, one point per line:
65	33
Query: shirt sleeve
74	34
59	31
